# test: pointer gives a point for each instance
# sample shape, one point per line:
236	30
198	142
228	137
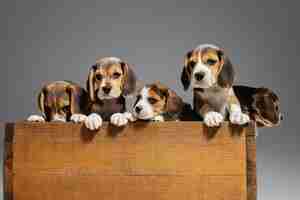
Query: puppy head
59	100
110	78
266	107
205	66
156	99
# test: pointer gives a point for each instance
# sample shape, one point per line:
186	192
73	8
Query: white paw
130	116
93	121
213	119
158	118
119	119
239	118
35	118
78	118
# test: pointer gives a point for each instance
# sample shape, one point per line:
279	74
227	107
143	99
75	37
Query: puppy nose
138	109
106	89
199	76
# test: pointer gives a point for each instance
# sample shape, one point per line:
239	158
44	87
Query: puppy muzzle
202	77
108	94
142	113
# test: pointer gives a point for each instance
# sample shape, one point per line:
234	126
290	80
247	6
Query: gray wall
60	39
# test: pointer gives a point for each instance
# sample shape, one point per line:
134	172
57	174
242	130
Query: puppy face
55	102
110	78
206	66
154	100
266	105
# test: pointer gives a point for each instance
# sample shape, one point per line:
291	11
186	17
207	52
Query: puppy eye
192	63
98	77
116	75
152	100
211	62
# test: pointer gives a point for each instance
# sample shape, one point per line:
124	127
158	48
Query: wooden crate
157	161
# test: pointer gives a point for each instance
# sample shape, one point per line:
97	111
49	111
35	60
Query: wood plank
155	150
36	187
251	163
174	160
8	162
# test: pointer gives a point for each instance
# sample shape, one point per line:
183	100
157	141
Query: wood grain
8	162
174	160
251	163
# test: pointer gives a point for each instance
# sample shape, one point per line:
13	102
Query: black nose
106	89
138	109
199	76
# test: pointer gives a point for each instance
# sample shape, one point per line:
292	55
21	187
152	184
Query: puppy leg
236	116
36	118
121	119
78	118
93	121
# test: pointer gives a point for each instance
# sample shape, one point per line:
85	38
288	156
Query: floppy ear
41	100
129	79
174	102
74	93
227	74
90	83
186	71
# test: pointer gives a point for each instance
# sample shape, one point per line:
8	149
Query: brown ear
90	83
174	102
129	79
75	94
41	100
227	74
186	71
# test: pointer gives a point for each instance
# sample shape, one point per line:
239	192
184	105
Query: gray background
60	39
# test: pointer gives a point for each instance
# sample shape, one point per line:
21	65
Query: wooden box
143	161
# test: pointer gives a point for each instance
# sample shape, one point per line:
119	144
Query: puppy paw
130	116
78	118
239	118
158	118
35	118
212	119
93	121
119	119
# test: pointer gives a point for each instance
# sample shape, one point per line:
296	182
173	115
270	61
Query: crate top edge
250	127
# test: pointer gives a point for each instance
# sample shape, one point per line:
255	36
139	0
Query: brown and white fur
262	105
156	102
210	73
59	101
110	80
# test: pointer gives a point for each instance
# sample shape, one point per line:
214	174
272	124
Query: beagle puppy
59	100
156	102
109	82
210	73
262	105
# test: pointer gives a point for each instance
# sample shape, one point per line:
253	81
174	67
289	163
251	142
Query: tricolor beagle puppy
156	102
211	75
110	80
59	100
262	105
